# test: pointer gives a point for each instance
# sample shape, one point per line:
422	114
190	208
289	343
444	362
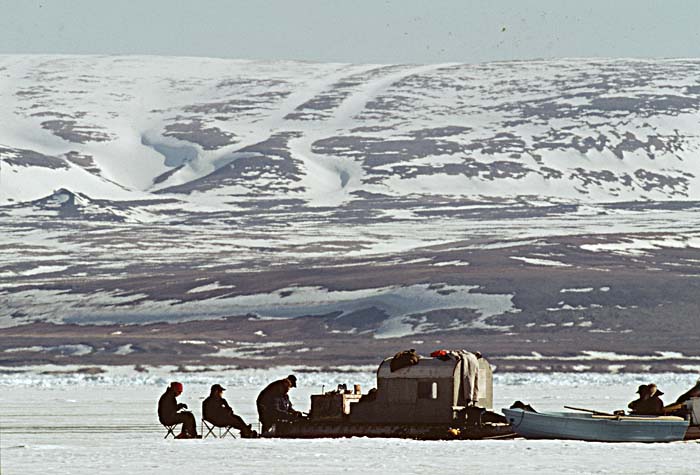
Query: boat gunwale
614	417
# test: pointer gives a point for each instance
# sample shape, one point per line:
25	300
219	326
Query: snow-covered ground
106	423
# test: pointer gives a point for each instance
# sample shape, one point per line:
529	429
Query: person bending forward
274	405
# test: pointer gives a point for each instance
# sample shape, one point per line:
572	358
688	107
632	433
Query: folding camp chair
210	430
170	429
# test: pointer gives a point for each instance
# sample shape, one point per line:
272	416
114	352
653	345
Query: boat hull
591	427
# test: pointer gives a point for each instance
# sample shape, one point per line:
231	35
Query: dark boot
248	433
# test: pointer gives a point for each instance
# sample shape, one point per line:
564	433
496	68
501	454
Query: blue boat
596	427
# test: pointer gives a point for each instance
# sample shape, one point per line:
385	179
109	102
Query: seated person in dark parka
217	411
170	412
649	402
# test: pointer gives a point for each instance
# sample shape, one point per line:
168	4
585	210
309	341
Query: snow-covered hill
125	127
522	207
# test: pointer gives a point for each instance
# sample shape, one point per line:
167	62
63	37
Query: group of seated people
273	406
649	402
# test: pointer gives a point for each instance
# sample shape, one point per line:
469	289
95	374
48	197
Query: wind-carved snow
404	307
563	306
43	270
73	350
450	263
45	302
540	262
642	245
411	321
208	287
124	350
590	355
252	350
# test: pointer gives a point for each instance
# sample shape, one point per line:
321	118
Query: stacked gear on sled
446	396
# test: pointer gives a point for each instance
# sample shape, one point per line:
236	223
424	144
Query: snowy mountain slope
522	207
591	130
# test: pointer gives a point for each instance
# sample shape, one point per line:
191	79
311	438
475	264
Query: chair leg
211	430
207	430
171	431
